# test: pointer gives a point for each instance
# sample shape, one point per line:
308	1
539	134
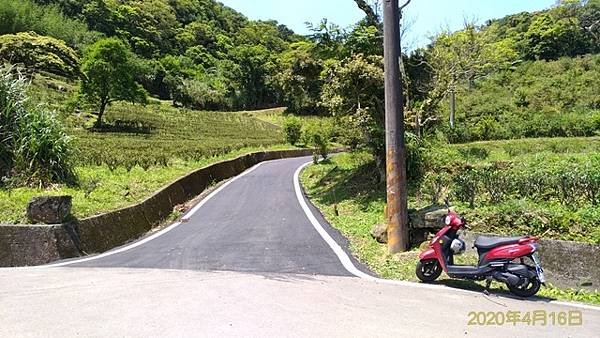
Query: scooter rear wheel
428	270
526	290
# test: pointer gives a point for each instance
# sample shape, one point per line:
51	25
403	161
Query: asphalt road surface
254	259
254	224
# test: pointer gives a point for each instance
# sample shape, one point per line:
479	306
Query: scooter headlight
448	220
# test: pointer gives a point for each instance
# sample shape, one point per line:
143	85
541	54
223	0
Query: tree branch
402	7
372	17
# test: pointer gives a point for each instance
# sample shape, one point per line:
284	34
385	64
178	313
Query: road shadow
495	292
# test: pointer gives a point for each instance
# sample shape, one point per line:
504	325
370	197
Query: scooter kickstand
488	283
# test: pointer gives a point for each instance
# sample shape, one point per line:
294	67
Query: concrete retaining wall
566	264
27	245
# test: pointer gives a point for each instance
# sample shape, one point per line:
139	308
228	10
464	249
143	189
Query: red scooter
500	258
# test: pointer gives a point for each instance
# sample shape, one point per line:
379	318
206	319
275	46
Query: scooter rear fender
511	251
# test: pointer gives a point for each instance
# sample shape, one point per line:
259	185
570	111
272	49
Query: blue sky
427	16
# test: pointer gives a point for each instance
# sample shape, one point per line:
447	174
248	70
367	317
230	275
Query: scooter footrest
466	270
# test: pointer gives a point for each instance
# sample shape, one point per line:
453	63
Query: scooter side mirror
447	202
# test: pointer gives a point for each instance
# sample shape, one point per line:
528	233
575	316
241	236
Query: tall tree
109	73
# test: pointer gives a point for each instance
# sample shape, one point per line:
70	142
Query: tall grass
12	101
35	149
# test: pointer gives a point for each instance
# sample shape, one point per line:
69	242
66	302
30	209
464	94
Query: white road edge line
351	268
186	217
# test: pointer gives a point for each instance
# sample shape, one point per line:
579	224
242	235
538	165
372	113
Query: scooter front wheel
526	290
428	270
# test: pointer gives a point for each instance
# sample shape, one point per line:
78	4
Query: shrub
293	130
534	99
495	182
467	185
435	186
44	152
348	132
318	136
35	150
416	164
37	52
572	184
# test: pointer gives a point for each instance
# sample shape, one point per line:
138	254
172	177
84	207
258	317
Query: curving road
251	259
254	224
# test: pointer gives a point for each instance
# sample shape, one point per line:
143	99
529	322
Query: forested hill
199	53
156	28
203	55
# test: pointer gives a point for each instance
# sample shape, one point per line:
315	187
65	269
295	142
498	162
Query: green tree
28	16
300	78
329	39
555	34
460	58
256	65
589	18
366	40
354	90
110	75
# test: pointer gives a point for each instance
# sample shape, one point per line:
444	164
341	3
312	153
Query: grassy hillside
345	191
141	149
154	134
534	99
543	187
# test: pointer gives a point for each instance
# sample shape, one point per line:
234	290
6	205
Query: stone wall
27	245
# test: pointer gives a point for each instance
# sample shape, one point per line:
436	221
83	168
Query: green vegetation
546	187
139	149
109	76
102	189
39	53
157	134
293	130
542	187
35	148
198	54
27	16
525	76
352	201
318	135
535	99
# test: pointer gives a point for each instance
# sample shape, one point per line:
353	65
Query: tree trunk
380	163
103	105
452	107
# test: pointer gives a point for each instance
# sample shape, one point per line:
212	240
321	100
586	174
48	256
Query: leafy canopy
110	75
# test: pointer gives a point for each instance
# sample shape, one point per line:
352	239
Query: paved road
249	262
255	224
66	302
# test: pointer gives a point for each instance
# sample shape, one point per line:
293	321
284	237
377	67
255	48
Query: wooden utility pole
397	208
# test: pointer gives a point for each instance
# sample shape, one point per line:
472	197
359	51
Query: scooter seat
486	243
